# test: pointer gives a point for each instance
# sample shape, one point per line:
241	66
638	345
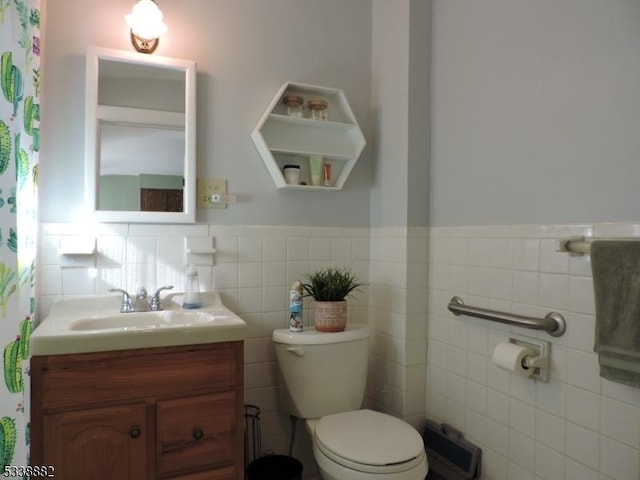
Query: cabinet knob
134	432
198	434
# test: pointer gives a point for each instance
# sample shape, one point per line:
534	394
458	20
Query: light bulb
145	20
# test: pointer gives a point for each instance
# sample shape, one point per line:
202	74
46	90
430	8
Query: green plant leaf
331	284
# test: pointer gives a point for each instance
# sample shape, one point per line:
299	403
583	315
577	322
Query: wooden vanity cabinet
170	413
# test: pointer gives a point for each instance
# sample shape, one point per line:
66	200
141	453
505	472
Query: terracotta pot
330	316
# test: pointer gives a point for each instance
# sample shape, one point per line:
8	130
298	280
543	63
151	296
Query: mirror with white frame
140	161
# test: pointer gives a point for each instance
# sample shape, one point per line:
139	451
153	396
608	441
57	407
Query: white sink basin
94	323
141	320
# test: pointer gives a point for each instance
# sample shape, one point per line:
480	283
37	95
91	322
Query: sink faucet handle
154	303
168	287
127	305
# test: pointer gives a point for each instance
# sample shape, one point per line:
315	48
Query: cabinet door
160	200
196	432
102	443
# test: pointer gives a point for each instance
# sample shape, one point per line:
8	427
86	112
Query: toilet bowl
323	378
364	444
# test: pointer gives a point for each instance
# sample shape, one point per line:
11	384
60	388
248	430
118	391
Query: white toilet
323	378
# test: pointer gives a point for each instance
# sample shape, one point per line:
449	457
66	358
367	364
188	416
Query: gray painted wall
245	50
419	99
534	107
390	84
400	102
536	111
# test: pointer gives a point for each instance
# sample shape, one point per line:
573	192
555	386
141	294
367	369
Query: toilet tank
322	373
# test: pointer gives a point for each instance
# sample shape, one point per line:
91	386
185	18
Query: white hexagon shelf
282	139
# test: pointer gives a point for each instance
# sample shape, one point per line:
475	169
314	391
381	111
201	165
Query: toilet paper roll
511	357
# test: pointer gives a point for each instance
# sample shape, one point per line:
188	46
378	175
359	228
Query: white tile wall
576	427
398	281
253	268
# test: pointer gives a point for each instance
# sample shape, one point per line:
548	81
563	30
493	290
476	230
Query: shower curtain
19	147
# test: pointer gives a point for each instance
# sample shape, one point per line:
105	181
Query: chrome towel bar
577	246
553	323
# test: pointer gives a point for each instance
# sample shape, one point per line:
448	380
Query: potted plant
330	288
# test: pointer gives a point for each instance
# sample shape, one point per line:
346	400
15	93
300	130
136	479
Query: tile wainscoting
576	427
253	268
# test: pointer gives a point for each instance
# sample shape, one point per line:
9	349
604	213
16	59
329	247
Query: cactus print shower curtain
19	147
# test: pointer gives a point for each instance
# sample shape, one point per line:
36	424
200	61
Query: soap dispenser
192	289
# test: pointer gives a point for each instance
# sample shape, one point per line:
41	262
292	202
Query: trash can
275	467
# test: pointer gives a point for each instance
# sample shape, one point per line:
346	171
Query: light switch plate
206	188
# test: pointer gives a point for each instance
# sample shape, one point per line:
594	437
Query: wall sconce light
145	22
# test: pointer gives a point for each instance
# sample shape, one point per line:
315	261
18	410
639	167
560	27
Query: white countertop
83	324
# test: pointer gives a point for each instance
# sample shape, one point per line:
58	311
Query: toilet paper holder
541	361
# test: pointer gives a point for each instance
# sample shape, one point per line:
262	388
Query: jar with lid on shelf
292	174
295	105
318	108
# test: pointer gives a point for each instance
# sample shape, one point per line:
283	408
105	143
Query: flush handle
296	351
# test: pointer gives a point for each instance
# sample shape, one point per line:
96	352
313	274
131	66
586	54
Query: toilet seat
368	441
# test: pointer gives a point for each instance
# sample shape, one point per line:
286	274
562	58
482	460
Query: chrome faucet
127	305
142	303
154	304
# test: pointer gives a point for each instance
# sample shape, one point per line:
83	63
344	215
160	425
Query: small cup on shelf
292	174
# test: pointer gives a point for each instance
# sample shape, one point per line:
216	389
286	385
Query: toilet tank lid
311	336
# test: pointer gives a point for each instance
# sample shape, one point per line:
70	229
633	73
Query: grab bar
553	323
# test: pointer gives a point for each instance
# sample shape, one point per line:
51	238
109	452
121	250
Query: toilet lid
370	438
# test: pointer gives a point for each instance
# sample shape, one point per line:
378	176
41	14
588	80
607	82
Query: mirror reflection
143	137
141	164
141	168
